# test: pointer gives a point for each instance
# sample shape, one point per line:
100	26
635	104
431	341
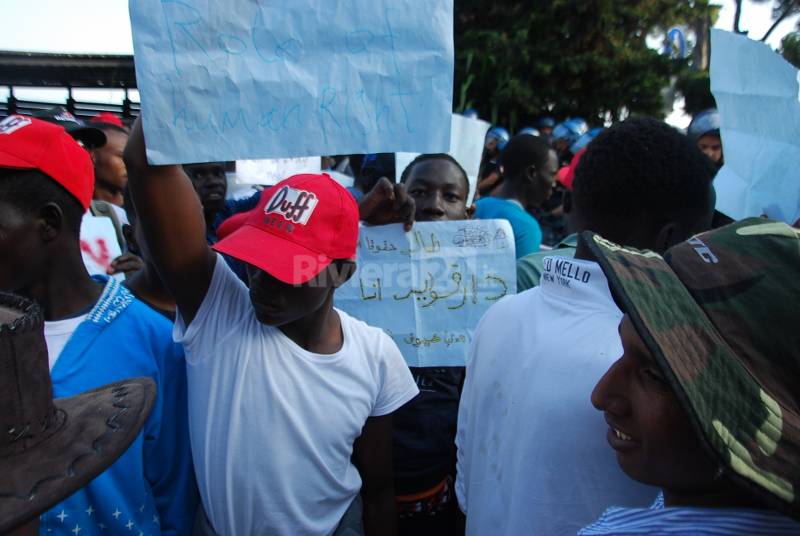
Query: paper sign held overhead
250	79
757	95
429	288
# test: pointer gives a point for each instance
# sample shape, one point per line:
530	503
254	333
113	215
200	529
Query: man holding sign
290	399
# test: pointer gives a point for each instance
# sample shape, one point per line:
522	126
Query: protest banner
272	171
99	245
248	79
467	137
429	288
757	96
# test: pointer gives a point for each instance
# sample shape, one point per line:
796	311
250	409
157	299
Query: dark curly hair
643	168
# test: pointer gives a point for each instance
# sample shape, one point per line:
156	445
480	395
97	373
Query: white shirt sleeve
225	305
397	385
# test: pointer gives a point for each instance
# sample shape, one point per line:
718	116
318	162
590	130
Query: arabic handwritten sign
99	245
757	94
467	136
248	79
429	288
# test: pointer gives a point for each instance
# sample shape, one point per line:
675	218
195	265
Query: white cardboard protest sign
272	171
248	79
757	96
467	137
99	244
428	288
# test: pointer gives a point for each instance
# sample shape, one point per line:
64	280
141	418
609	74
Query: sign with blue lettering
429	288
249	79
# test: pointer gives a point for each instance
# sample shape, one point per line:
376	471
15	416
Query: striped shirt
660	521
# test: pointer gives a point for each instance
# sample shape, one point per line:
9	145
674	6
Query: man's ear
51	222
130	238
342	271
530	173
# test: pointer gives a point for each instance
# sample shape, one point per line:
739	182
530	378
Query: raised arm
172	219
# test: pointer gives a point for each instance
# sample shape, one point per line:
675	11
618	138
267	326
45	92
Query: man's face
20	248
711	146
439	191
652	435
110	175
546	131
209	183
543	181
277	303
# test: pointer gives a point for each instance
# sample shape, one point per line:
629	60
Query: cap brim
282	259
8	160
702	369
91	137
96	428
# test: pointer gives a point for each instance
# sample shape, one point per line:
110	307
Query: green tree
516	60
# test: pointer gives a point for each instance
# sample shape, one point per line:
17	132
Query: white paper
757	97
272	171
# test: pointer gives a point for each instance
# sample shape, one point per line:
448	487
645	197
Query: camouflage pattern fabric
720	314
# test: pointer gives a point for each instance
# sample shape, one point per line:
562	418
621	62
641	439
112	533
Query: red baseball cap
107	117
28	143
566	175
298	228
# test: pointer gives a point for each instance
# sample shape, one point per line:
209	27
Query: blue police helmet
569	130
584	140
500	134
528	130
546	122
706	122
472	113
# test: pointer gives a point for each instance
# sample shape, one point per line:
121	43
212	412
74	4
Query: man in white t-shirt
531	459
290	400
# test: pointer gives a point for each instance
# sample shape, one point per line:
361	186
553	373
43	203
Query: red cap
28	143
567	173
298	228
107	117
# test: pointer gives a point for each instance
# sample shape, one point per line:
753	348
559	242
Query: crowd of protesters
642	380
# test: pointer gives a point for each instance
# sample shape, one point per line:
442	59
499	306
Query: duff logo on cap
13	123
295	205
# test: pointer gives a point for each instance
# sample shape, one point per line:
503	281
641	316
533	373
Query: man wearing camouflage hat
704	402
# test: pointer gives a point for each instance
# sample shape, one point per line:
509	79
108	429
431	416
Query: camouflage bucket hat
720	314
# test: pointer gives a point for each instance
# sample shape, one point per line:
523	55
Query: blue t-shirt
151	488
527	233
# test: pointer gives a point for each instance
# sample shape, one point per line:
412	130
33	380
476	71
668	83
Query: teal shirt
527	233
529	267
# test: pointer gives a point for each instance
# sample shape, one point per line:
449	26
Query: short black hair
523	151
642	167
30	189
434	156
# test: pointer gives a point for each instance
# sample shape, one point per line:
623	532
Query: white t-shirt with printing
273	425
532	451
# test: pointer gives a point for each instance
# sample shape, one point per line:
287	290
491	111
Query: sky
103	27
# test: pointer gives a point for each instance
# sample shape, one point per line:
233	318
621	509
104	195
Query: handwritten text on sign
247	79
429	288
